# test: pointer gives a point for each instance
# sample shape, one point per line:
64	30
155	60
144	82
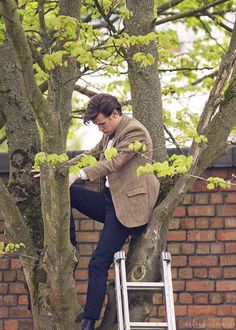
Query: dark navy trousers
99	206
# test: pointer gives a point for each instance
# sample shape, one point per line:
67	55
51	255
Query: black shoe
87	324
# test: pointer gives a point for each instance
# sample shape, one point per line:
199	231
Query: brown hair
101	103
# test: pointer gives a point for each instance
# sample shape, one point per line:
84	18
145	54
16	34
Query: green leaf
53	60
200	138
125	13
9	247
148	168
131	146
88	160
144	148
110	153
52	159
144	59
85	160
39	159
214	182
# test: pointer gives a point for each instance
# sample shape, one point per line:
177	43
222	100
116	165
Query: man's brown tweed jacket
134	197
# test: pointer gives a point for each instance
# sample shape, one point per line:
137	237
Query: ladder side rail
169	298
120	316
124	293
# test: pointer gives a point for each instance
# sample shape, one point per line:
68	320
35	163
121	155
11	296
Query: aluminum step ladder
122	287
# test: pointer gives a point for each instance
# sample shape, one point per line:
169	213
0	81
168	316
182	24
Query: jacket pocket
137	191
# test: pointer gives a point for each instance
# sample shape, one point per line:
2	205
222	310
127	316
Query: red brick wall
202	241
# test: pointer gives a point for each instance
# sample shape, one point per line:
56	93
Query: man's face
107	125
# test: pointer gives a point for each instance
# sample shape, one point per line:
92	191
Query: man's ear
115	113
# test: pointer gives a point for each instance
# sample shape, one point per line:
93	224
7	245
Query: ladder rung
148	325
145	285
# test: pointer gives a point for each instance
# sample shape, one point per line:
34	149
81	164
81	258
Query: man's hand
73	177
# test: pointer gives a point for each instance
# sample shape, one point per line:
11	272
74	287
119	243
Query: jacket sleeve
95	151
105	167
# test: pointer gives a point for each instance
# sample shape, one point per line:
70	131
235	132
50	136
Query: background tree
52	48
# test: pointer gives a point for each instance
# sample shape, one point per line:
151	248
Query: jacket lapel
122	124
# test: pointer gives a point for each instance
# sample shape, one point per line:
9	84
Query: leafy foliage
177	164
53	60
85	160
144	59
197	42
137	146
214	182
183	49
52	159
10	248
184	126
110	153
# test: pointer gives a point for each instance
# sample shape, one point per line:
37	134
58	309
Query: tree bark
145	82
22	207
49	263
59	255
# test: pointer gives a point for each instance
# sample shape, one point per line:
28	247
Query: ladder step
145	285
148	325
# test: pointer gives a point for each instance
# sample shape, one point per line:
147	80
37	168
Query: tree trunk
59	257
23	143
145	82
48	266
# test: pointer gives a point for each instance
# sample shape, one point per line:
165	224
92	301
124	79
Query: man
126	202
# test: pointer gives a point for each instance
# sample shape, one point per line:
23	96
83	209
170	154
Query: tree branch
106	18
173	139
168	5
215	20
208	32
37	57
41	16
190	13
3	139
42	24
186	69
14	222
211	75
222	78
9	11
105	24
217	128
84	91
2	119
